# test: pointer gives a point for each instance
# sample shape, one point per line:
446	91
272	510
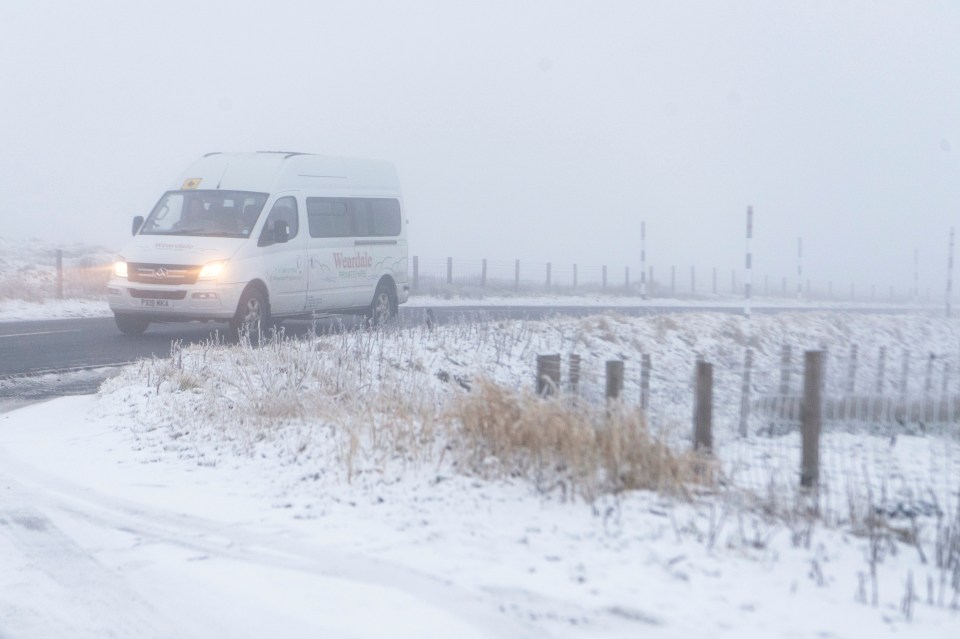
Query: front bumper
200	301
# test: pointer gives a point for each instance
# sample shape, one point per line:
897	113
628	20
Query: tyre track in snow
51	587
33	539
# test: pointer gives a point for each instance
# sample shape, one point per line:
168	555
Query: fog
544	131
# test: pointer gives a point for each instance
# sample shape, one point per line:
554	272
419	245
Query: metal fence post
852	370
881	365
786	358
745	392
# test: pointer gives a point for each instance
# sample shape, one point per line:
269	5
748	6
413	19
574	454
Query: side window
353	217
384	218
284	209
328	217
360	212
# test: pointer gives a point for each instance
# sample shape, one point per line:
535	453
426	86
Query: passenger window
284	209
361	217
328	217
384	218
353	217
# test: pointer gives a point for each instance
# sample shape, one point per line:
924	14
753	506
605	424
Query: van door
376	228
333	265
285	262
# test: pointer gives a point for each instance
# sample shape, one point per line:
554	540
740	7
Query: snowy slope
303	487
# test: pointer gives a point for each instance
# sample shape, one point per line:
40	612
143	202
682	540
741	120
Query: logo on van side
360	260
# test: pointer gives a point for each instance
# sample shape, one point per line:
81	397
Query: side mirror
137	223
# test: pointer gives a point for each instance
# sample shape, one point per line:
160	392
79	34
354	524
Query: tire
383	308
130	324
253	314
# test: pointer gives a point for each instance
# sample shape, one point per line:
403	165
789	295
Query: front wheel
253	314
131	325
383	308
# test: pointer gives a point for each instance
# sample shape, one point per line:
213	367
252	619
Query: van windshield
209	213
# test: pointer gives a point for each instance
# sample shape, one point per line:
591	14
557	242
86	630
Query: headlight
120	268
212	270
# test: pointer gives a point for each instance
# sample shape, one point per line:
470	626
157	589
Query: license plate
156	303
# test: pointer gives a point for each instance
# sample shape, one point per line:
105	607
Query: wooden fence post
745	392
703	411
416	274
483	274
574	373
614	378
59	274
548	374
810	417
645	382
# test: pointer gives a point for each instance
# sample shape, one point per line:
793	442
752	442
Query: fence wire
891	440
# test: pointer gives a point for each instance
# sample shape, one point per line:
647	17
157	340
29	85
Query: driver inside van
192	215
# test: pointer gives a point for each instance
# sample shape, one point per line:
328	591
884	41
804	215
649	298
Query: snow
21	310
182	501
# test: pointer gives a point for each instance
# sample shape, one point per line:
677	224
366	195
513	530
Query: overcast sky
545	131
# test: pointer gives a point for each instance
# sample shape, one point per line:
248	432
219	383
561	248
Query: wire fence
443	276
56	274
892	440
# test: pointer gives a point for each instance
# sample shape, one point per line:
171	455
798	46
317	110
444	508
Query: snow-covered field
28	280
28	289
330	486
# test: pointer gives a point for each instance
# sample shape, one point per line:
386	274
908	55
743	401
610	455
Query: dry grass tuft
580	449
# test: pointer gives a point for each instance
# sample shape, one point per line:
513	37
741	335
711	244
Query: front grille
170	274
157	295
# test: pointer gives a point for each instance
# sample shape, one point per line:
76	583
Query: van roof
274	171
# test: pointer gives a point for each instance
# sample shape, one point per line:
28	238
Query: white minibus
254	238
